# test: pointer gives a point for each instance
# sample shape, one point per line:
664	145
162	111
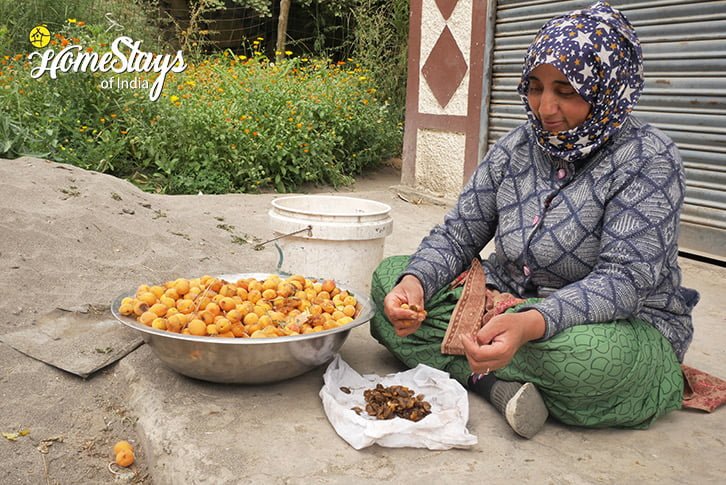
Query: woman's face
557	105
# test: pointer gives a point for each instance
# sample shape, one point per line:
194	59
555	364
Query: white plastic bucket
345	241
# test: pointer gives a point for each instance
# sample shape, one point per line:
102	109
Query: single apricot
213	308
206	280
173	326
158	291
140	307
223	325
254	296
185	306
148	297
265	321
147	317
234	315
122	445
228	290
126	309
158	309
216	285
142	289
159	323
202	302
197	327
227	304
167	301
125	458
206	316
246	307
254	285
344	321
270	283
238	330
181	286
286	289
328	306
251	318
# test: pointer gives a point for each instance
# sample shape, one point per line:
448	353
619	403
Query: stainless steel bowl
245	360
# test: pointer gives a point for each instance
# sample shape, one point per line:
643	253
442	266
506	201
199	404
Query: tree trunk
282	29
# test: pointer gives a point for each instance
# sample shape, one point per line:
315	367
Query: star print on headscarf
598	51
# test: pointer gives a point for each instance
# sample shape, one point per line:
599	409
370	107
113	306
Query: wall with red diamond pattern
444	93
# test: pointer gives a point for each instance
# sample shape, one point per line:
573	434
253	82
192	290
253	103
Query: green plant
130	17
229	123
381	47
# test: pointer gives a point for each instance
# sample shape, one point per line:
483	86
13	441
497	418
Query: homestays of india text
118	60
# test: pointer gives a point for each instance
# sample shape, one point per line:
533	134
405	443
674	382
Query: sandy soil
72	237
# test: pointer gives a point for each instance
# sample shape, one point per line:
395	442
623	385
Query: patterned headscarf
599	53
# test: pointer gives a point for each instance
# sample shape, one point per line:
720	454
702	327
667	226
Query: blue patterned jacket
598	239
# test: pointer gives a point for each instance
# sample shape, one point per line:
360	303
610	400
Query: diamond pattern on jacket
624	267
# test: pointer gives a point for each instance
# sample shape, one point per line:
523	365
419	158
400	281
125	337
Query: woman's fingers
403	306
404	328
484	358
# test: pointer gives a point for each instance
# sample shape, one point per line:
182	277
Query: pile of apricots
247	308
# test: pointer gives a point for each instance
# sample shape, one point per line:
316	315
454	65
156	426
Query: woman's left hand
495	344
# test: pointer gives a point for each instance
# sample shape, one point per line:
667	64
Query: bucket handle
261	245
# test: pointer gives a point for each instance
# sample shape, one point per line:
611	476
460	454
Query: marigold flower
173	98
72	21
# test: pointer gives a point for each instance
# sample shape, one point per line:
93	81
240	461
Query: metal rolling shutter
684	47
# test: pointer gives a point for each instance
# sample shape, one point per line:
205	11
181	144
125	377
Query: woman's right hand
404	320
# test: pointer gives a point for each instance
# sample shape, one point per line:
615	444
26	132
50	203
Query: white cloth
443	429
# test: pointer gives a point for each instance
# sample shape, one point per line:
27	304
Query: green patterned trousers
616	374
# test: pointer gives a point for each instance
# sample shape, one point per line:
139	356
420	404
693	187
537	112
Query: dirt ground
70	238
